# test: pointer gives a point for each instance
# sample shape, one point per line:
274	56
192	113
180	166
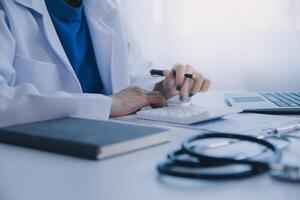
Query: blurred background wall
239	44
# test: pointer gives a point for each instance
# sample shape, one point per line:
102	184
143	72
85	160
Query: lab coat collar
35	5
103	39
100	7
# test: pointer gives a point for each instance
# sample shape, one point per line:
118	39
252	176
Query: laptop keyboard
284	99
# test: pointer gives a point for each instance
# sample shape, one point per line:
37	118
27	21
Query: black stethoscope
189	161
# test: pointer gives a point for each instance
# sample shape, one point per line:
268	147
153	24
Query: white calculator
186	114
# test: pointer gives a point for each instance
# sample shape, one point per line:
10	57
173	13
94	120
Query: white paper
245	122
237	123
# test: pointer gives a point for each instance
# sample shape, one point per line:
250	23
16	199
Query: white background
239	44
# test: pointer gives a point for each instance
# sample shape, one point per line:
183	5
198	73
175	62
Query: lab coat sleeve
25	103
139	66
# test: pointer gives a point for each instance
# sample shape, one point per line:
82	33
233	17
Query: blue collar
64	11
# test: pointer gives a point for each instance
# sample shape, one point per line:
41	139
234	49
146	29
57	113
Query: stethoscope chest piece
286	173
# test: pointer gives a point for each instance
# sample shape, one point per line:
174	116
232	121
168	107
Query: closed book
90	139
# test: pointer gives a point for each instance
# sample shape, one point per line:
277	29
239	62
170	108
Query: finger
187	82
205	85
156	98
184	92
169	81
180	71
197	85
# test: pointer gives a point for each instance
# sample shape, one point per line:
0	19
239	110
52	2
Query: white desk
33	175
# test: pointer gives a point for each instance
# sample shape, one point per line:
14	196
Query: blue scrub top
72	29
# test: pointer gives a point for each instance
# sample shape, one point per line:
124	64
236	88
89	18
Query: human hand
180	85
133	98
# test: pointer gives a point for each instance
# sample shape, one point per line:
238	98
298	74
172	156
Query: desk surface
33	175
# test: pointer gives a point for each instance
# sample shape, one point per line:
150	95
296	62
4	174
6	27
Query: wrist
114	110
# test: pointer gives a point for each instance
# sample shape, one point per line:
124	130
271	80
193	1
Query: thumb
169	81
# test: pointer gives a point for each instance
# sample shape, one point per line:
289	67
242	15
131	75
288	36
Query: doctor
76	58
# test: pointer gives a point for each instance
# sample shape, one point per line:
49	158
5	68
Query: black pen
158	72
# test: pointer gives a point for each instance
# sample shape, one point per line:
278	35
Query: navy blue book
90	139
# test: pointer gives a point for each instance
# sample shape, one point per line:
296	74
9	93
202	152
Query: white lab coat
37	81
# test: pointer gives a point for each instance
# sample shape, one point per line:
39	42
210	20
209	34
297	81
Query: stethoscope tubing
186	147
168	168
173	165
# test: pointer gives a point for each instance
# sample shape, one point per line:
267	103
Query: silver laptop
266	102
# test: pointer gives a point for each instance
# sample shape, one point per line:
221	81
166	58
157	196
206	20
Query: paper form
237	123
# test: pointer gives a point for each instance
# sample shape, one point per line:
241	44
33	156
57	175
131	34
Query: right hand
132	99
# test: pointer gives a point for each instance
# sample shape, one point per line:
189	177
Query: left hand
172	86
